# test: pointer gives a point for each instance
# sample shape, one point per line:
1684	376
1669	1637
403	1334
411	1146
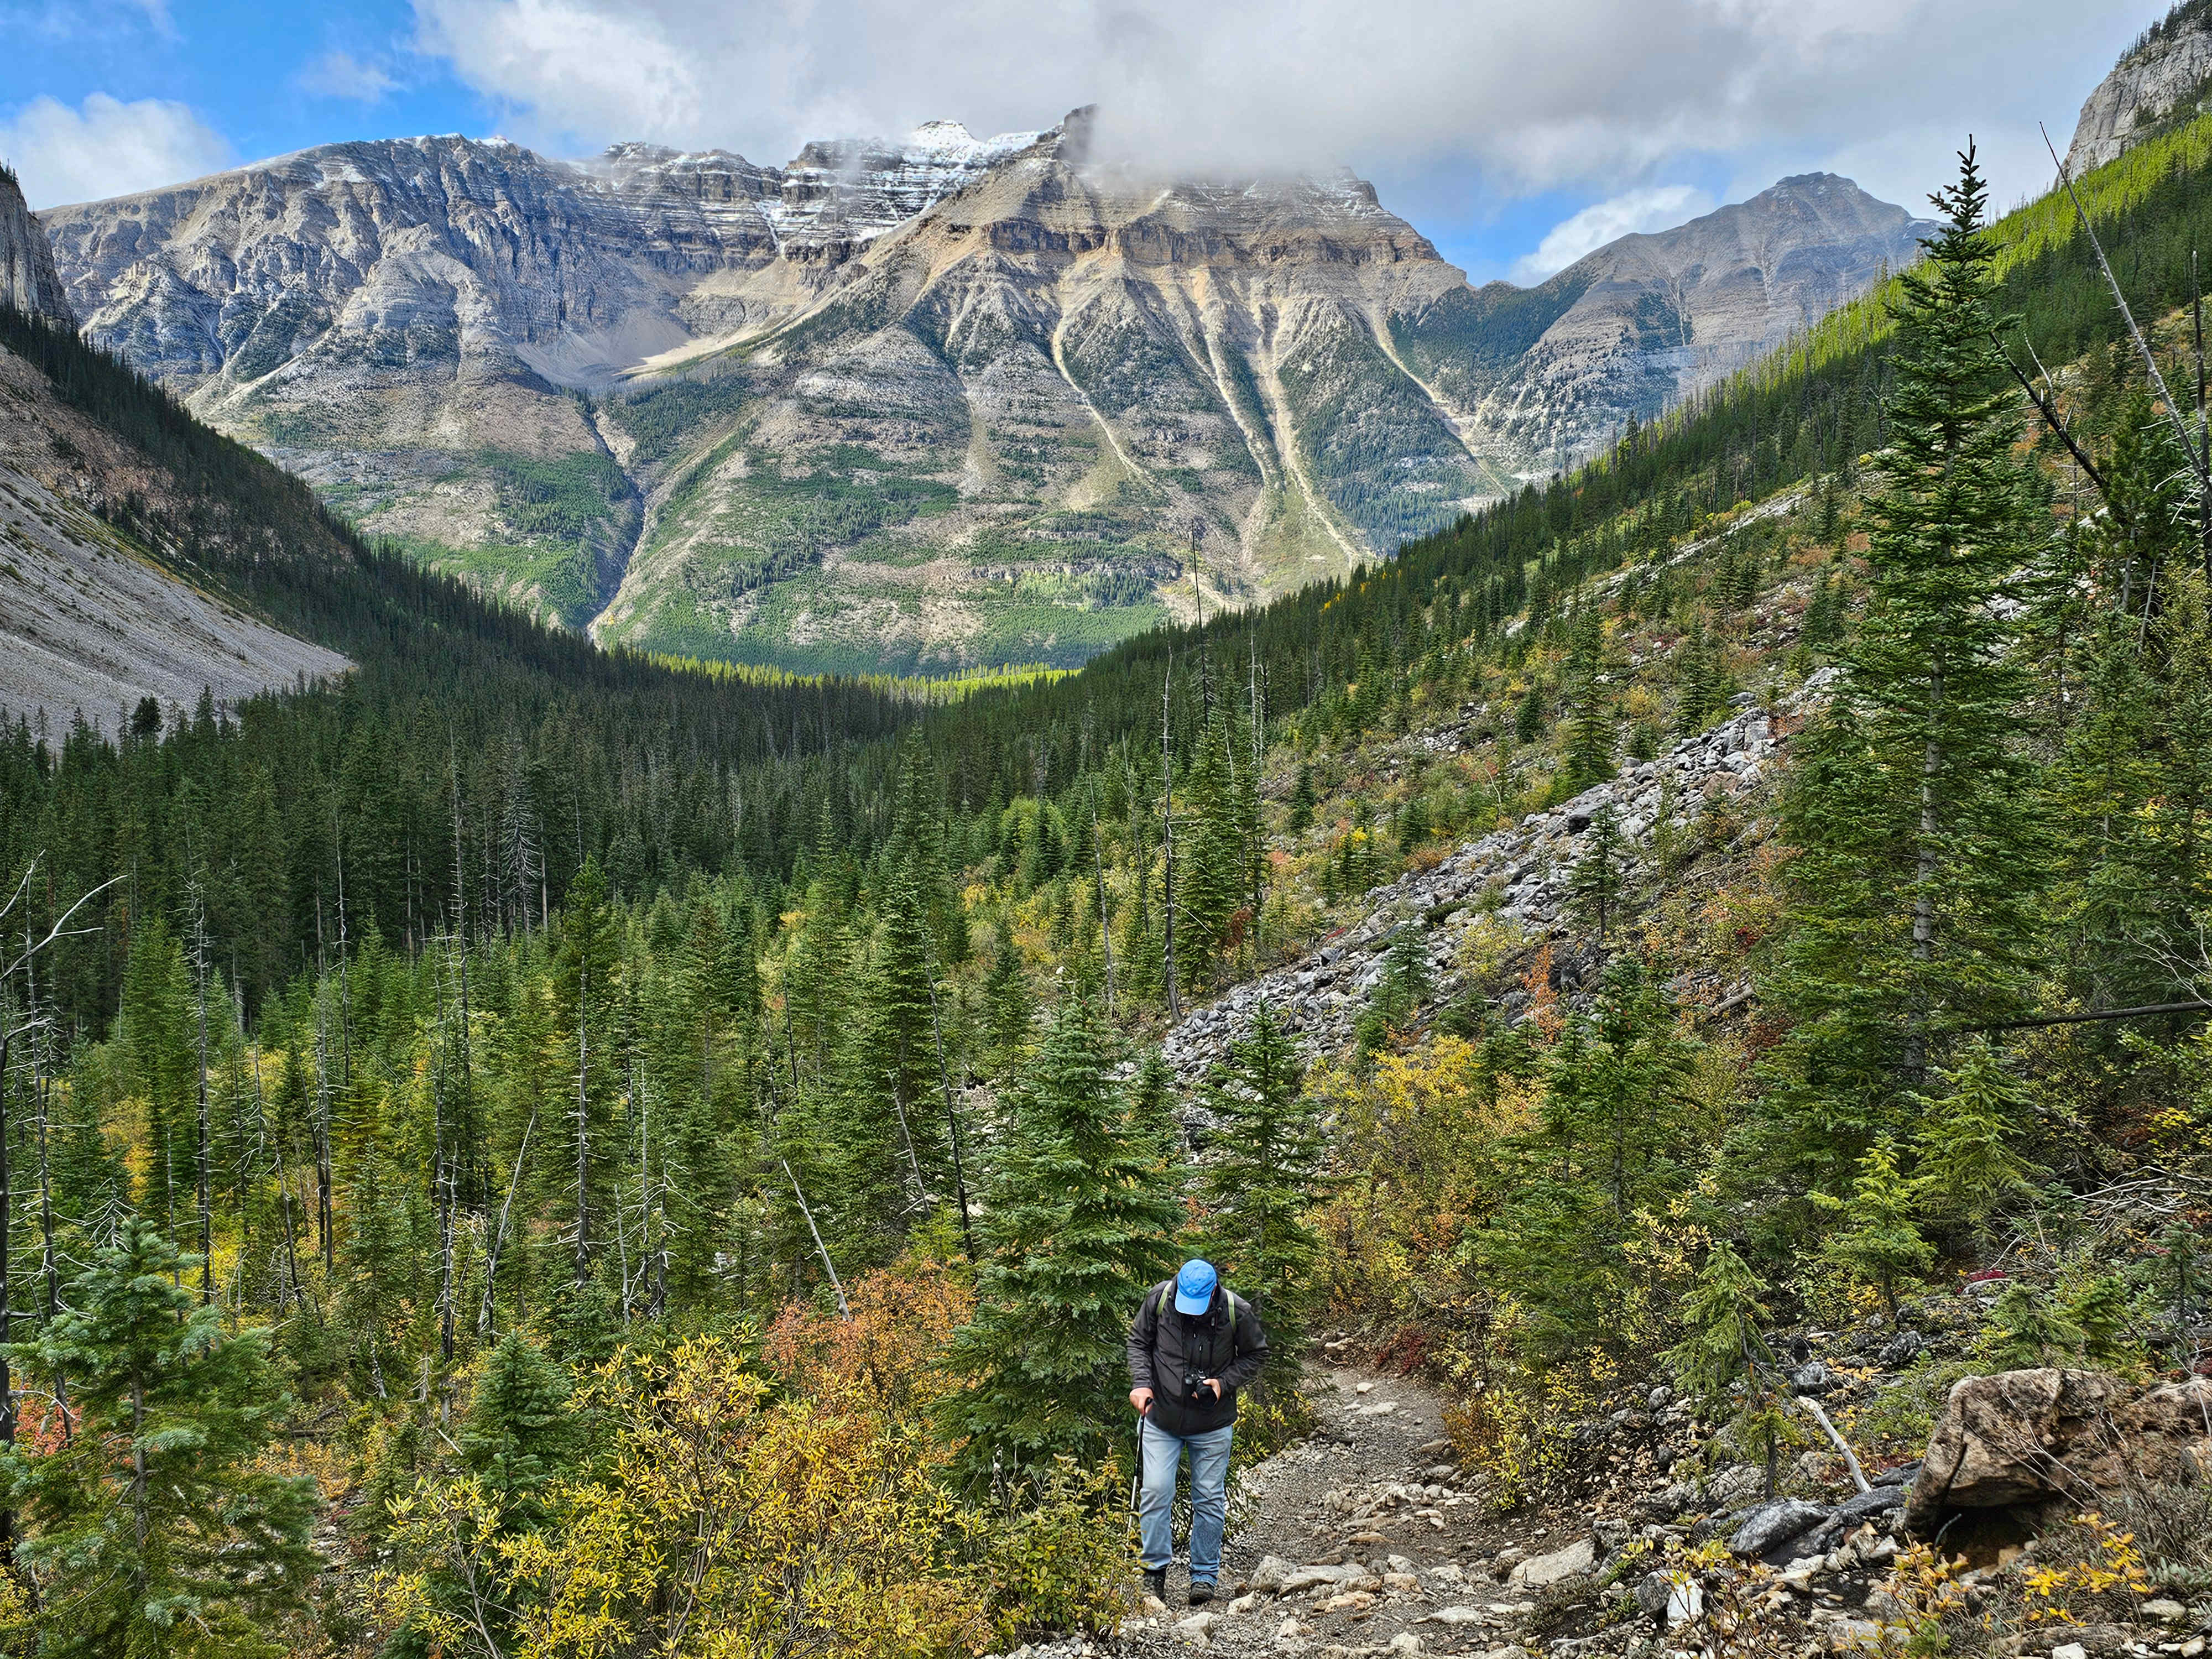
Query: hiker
1193	1344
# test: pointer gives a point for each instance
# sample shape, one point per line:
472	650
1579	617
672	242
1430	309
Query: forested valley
527	1152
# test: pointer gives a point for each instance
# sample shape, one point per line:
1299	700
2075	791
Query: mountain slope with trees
665	1099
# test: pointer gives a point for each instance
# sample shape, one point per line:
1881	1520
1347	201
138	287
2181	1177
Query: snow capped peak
941	134
949	142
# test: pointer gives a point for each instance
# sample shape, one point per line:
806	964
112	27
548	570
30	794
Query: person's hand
1214	1383
1142	1400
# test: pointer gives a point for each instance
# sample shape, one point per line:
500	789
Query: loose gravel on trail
1364	1539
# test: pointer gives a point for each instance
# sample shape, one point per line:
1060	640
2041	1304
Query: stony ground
1369	1540
1357	1538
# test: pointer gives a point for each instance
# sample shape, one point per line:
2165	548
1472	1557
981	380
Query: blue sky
1516	134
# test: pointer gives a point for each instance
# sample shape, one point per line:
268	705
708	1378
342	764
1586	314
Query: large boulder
2031	1436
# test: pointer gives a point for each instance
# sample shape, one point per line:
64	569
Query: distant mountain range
913	406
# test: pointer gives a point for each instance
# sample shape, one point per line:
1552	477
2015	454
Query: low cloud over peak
1530	96
1655	207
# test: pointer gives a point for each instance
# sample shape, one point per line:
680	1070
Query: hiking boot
1155	1582
1201	1592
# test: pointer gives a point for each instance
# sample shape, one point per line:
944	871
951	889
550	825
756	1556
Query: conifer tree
587	998
1153	1104
1968	1168
1006	996
153	1529
1079	1219
2025	1330
1878	1241
1264	1180
1913	805
1723	1346
1401	993
1608	1142
1593	732
1595	886
522	1433
1723	1319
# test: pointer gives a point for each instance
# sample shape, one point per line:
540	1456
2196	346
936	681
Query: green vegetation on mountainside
648	1071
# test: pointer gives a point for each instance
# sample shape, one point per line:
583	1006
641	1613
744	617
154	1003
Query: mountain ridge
916	405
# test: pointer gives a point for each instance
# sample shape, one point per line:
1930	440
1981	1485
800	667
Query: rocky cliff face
27	279
918	405
1651	318
2163	74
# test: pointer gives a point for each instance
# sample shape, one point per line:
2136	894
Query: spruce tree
1593	732
1968	1168
587	1001
1529	716
1609	1142
155	1529
1006	997
1401	993
1878	1241
1723	1346
1153	1104
1913	805
2026	1331
1263	1181
1597	885
522	1433
1079	1218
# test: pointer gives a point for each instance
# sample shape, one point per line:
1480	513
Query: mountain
90	623
917	406
27	279
1651	318
2163	74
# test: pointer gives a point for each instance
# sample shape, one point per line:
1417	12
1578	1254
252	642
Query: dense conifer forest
531	1150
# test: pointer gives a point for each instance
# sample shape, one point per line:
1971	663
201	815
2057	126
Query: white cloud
342	75
107	147
1655	207
1529	93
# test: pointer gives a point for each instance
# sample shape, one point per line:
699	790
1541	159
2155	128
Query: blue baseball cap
1194	1287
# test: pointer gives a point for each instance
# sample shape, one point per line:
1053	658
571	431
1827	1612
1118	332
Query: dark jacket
1165	1344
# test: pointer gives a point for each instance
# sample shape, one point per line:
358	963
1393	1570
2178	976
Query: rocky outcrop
850	412
27	279
2164	73
1519	876
2028	1436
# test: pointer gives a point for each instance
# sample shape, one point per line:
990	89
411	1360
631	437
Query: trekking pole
1136	1476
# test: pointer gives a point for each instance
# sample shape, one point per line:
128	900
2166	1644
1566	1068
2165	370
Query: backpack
1166	1292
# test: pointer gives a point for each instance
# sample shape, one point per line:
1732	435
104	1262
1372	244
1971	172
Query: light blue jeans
1209	1496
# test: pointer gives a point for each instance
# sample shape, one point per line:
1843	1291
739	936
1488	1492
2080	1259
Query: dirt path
1365	1539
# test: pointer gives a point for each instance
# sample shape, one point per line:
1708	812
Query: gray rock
1902	1350
1771	1526
1573	1562
1813	1377
1653	1591
1269	1575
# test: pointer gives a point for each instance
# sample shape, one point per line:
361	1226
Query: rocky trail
1365	1537
1369	1539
